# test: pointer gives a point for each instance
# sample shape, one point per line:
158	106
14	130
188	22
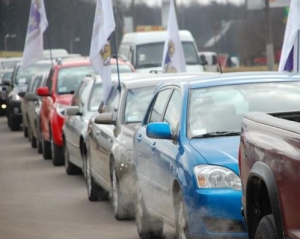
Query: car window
230	103
122	68
49	83
36	82
137	101
159	105
112	102
69	78
96	97
173	110
25	74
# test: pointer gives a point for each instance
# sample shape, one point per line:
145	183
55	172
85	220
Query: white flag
289	60
173	57
104	25
37	24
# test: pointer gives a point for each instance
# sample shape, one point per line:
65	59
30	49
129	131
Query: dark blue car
186	152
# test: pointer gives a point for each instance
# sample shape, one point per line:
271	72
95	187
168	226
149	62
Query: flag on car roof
37	24
104	25
173	57
289	60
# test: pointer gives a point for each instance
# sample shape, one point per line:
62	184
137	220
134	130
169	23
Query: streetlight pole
77	39
269	47
5	39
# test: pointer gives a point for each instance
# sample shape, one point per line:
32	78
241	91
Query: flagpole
48	39
117	61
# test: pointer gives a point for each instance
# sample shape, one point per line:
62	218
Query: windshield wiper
149	65
217	134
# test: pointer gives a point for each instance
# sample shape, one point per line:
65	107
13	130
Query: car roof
237	78
153	37
10	59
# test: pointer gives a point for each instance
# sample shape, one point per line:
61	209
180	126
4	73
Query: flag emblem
105	54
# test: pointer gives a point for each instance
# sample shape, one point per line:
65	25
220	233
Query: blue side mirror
159	130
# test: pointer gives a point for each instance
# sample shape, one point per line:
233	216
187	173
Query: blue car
186	152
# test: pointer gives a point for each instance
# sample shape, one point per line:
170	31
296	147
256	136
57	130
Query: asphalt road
39	201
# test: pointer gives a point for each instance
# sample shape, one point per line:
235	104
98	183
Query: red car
63	80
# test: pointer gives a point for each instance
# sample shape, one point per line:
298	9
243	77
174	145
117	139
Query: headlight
60	109
208	176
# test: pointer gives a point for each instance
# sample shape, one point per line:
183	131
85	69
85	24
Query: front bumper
215	213
14	108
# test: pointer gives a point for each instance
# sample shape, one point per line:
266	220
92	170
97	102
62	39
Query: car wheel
25	131
14	125
46	149
181	222
122	209
147	226
266	228
84	165
33	139
95	192
57	153
71	169
39	146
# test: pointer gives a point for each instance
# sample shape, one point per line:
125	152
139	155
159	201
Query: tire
39	145
71	169
57	152
32	138
147	226
14	125
25	131
122	209
95	192
266	228
181	222
46	145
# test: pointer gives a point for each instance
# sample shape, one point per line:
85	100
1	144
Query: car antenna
217	51
117	61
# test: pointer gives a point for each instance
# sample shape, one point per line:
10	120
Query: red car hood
64	99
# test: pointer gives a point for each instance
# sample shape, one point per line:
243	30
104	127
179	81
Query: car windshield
150	55
219	110
7	77
8	64
96	97
122	68
136	104
70	77
25	74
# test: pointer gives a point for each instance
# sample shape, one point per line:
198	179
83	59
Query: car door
104	139
73	124
164	156
143	150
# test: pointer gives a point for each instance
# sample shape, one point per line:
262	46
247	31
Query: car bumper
215	213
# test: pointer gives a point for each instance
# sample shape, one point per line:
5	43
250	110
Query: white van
145	50
211	60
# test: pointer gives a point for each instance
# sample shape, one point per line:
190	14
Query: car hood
189	68
64	99
221	151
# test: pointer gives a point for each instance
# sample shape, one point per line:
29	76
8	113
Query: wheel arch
262	199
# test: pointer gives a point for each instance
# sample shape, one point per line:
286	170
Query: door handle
139	138
153	146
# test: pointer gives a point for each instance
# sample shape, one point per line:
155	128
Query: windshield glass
25	74
70	77
136	104
96	97
221	109
150	55
8	64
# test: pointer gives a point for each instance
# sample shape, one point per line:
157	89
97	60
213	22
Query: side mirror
203	60
30	97
4	88
6	83
104	118
159	130
73	111
22	94
43	91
